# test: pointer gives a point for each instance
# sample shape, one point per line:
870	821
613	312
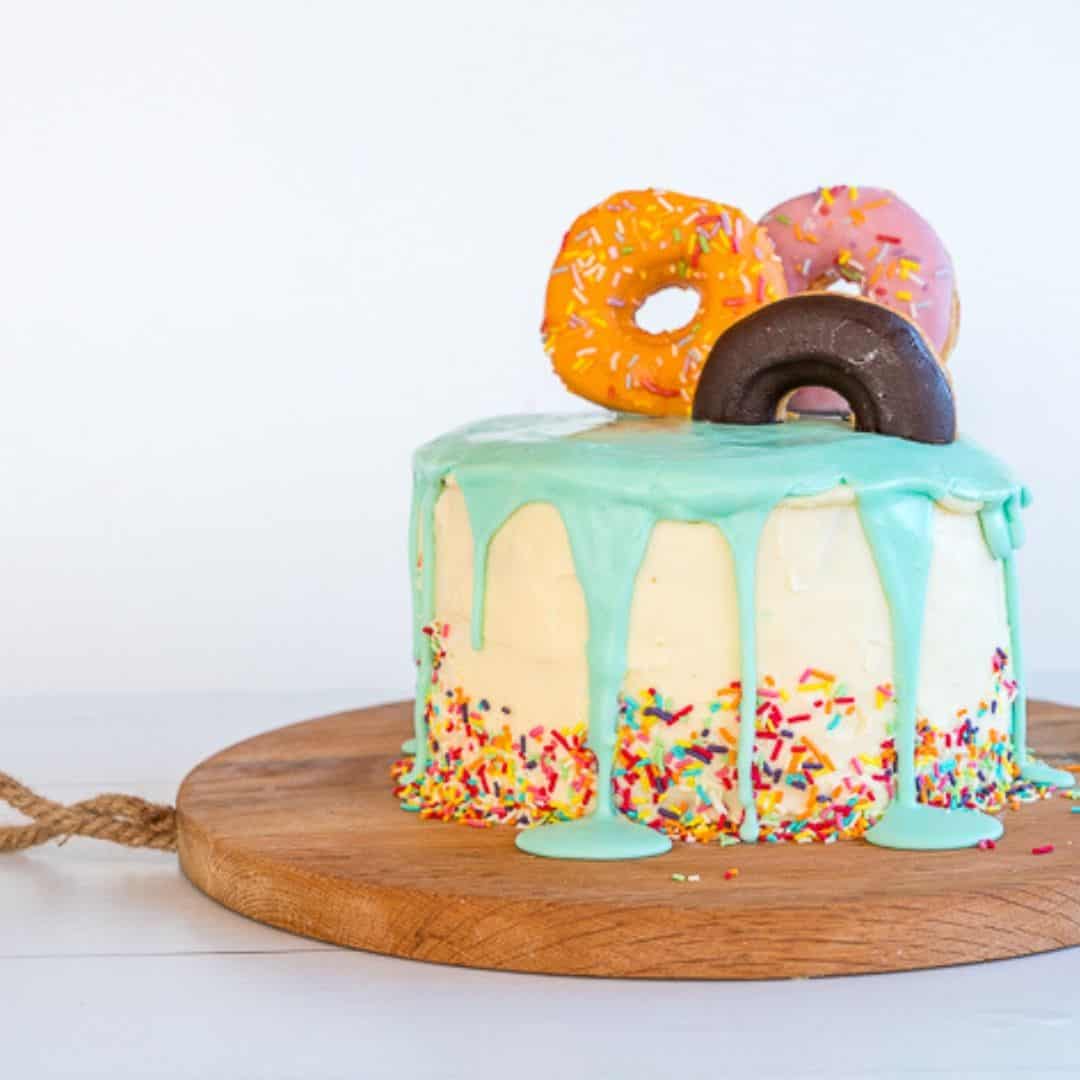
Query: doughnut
621	252
878	360
873	239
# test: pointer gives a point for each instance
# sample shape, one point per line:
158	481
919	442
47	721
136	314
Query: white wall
252	254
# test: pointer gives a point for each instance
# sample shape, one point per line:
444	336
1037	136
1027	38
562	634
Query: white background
252	254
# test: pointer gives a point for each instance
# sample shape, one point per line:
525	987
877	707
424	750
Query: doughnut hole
841	286
668	309
814	401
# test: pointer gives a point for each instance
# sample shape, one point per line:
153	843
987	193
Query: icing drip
422	577
897	525
612	480
1004	532
608	572
743	531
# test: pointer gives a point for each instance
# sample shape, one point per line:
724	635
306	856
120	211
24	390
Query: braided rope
121	819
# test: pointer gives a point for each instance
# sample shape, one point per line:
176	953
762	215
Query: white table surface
111	964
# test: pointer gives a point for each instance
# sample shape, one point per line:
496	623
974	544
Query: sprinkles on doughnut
618	254
873	239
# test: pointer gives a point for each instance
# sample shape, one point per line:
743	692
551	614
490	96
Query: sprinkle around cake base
298	828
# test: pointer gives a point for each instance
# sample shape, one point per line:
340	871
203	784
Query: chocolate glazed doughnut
871	355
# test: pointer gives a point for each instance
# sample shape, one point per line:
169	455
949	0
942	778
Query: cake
593	592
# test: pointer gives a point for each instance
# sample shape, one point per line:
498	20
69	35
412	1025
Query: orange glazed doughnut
613	258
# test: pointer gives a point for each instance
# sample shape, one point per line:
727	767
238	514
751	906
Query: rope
121	819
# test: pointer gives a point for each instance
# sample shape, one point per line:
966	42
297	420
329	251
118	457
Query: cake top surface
704	467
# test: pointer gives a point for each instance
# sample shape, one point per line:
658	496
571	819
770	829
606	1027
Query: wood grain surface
298	828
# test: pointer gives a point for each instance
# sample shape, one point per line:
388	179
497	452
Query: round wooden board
298	828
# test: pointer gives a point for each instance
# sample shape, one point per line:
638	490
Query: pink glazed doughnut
874	240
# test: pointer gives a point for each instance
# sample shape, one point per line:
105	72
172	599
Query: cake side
508	721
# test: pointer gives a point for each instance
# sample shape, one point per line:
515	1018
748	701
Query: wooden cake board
298	828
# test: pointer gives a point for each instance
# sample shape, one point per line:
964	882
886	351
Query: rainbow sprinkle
676	765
